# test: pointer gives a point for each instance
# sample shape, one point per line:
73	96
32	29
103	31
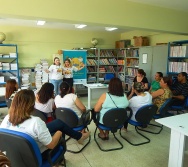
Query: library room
85	89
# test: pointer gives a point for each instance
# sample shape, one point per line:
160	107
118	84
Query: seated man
180	91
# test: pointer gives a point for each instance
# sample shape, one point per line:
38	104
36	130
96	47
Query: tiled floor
154	154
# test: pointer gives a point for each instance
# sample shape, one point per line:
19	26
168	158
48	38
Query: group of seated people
48	134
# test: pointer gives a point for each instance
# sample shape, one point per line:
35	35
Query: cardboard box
141	41
122	43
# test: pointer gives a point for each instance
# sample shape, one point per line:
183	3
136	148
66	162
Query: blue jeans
57	124
56	84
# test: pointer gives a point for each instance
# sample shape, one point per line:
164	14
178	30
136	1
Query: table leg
176	152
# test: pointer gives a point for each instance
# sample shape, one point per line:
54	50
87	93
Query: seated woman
115	98
44	100
69	100
155	85
11	88
162	94
142	98
140	77
20	119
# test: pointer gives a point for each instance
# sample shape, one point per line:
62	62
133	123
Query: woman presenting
68	72
56	74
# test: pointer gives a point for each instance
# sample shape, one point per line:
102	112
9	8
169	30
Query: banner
78	59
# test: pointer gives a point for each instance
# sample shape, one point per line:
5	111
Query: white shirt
68	101
69	71
54	74
46	108
138	101
34	127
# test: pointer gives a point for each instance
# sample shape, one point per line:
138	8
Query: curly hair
139	87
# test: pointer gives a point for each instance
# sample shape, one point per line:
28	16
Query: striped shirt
181	89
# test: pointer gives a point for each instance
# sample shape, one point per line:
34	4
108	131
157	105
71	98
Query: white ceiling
172	4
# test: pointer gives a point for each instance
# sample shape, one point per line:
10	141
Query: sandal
103	138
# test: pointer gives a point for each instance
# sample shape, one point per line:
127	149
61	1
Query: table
95	91
179	131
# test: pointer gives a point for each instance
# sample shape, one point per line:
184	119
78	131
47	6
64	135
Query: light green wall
120	13
37	43
154	37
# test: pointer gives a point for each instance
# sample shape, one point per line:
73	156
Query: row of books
121	77
107	61
107	69
107	53
129	53
132	71
179	51
91	62
132	62
89	54
91	69
178	67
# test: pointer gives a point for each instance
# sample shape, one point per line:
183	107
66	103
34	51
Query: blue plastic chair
113	120
143	116
69	117
180	108
23	151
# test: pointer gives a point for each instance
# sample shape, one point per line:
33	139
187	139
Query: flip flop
103	138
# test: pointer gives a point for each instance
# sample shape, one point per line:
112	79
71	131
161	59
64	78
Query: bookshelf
123	63
8	67
128	64
177	57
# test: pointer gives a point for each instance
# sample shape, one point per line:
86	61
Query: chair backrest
186	102
114	118
145	114
21	149
108	77
68	116
165	107
8	102
40	114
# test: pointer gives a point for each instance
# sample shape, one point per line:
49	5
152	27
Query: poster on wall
78	60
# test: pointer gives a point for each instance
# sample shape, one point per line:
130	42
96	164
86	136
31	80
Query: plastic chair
108	77
180	108
163	112
113	120
23	151
143	116
40	114
71	119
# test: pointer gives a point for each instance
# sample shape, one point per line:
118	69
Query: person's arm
80	105
179	97
55	139
157	93
99	103
145	86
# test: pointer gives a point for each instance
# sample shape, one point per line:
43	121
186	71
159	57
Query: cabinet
177	57
8	67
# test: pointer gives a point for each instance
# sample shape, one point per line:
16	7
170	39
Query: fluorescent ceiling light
41	23
110	28
80	25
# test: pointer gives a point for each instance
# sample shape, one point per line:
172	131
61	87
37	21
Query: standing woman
56	74
68	72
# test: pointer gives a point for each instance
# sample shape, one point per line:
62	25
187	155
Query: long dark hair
64	89
21	107
45	93
10	88
115	87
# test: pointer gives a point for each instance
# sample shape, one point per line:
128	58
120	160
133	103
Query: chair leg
75	152
137	144
158	126
111	149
